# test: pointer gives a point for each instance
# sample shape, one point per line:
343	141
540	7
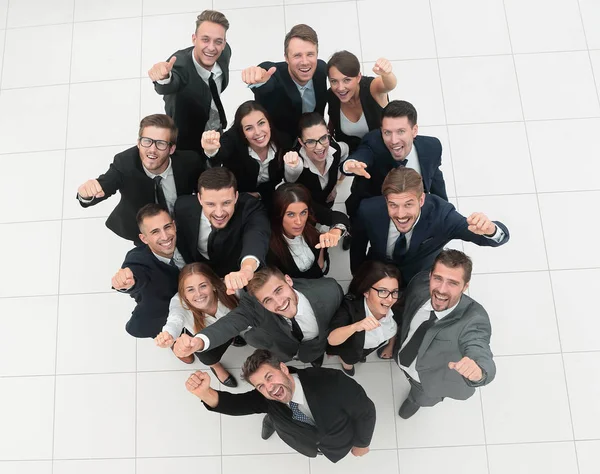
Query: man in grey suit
444	343
288	318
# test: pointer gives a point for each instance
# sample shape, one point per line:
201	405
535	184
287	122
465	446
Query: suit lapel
380	229
178	174
420	230
291	88
453	316
148	184
424	161
413	303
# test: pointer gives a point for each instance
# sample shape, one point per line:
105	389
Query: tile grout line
544	236
596	84
4	44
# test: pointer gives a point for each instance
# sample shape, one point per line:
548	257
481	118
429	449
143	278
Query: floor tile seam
596	83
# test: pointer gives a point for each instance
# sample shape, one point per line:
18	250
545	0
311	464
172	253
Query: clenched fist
186	345
123	279
329	239
479	224
164	339
468	368
257	75
291	159
161	70
382	67
367	324
198	383
91	189
211	142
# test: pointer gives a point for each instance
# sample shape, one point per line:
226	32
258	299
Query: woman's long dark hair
247	108
369	273
285	195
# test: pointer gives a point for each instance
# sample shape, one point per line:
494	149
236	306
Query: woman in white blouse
365	320
201	299
296	247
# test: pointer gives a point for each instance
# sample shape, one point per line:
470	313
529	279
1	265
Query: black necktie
402	162
296	331
400	248
410	350
215	95
173	264
159	194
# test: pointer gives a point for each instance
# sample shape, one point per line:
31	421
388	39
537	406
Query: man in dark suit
149	273
396	144
150	172
289	318
409	227
298	85
443	346
227	230
193	79
313	410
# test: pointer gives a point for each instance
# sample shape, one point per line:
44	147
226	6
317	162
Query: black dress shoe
408	409
230	381
349	372
267	428
318	362
347	242
238	341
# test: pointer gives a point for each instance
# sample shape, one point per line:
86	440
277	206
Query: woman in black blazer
356	101
296	246
252	149
365	320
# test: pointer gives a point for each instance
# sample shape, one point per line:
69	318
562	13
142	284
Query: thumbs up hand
257	75
161	70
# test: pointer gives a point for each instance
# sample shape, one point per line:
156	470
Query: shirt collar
163	259
440	314
303	304
393	227
205	219
270	154
205	73
412	156
311	166
389	314
307	86
298	396
165	174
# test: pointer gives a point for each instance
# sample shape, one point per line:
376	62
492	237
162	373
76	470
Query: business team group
232	229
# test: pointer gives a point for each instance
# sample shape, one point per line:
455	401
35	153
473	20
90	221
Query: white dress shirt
299	398
263	173
205	230
177	259
305	317
421	316
293	173
379	335
413	160
301	253
167	184
180	318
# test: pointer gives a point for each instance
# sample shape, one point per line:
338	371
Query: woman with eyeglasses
201	299
316	164
365	321
251	149
356	101
296	247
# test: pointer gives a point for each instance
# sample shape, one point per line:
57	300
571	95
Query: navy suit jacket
375	154
439	224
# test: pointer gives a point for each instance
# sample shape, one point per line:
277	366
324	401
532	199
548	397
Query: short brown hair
258	358
400	108
149	210
217	178
402	180
214	17
303	32
159	121
345	62
261	277
453	259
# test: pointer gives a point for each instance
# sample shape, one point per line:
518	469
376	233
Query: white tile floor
491	78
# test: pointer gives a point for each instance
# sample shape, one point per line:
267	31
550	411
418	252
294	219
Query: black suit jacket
281	97
155	285
374	153
187	97
344	415
439	224
271	331
246	233
127	176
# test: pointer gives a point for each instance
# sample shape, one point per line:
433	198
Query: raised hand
480	224
199	384
161	70
257	75
382	67
123	279
356	167
164	339
328	239
238	280
468	368
211	141
90	189
291	159
186	345
367	324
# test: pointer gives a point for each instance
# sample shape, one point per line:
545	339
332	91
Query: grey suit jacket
271	331
466	331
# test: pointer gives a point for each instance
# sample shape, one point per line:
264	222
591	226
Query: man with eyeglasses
443	346
151	172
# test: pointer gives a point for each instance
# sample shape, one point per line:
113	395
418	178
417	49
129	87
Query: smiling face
294	219
301	57
274	384
209	43
446	286
398	136
199	292
153	159
218	205
316	153
344	87
159	233
278	296
379	307
404	209
256	130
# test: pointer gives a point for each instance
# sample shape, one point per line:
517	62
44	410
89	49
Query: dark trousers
214	354
418	396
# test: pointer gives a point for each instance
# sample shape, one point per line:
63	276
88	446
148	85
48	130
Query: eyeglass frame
154	142
383	290
318	140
